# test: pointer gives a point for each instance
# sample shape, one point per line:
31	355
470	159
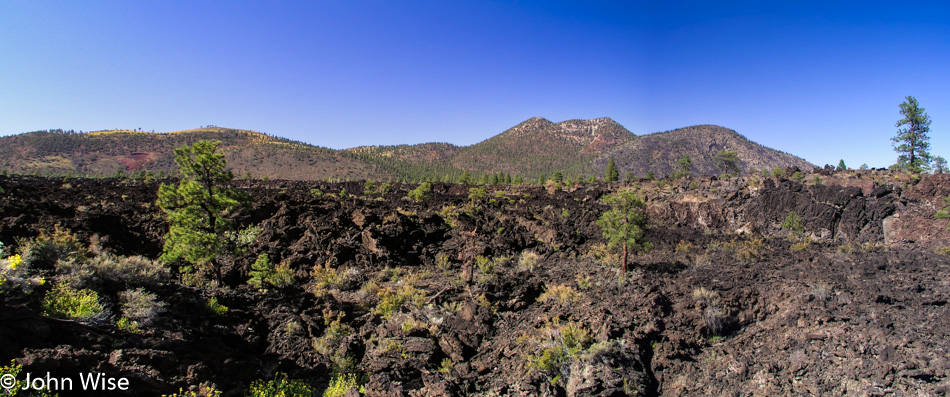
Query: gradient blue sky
818	79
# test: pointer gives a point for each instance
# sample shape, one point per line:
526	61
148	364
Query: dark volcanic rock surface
723	305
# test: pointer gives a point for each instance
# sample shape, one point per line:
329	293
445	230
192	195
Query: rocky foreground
508	293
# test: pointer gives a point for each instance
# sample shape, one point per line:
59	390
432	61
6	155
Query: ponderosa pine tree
727	161
465	179
624	223
940	165
684	165
611	174
912	143
200	210
841	166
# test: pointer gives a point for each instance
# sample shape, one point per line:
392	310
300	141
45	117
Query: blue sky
821	80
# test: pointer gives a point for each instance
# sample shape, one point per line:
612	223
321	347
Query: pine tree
200	211
623	225
465	179
940	165
841	166
727	162
912	143
612	174
684	164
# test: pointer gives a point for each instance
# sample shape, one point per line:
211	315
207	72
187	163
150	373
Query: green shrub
215	307
446	366
477	193
282	276
800	245
316	192
793	223
420	193
341	384
334	333
684	246
945	212
47	249
326	278
369	187
442	261
562	293
556	345
206	389
280	386
66	302
450	214
797	176
486	268
263	271
127	325
391	300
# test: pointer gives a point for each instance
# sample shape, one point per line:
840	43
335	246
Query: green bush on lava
263	271
793	223
281	385
556	345
341	384
421	193
69	303
945	212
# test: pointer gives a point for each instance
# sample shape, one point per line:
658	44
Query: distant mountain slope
412	162
538	146
532	148
661	151
106	152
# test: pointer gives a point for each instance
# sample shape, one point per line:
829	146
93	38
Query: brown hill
538	146
108	152
661	151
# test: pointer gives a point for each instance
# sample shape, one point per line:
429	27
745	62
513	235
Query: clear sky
818	79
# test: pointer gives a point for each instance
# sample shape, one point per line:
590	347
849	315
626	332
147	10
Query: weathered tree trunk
624	262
